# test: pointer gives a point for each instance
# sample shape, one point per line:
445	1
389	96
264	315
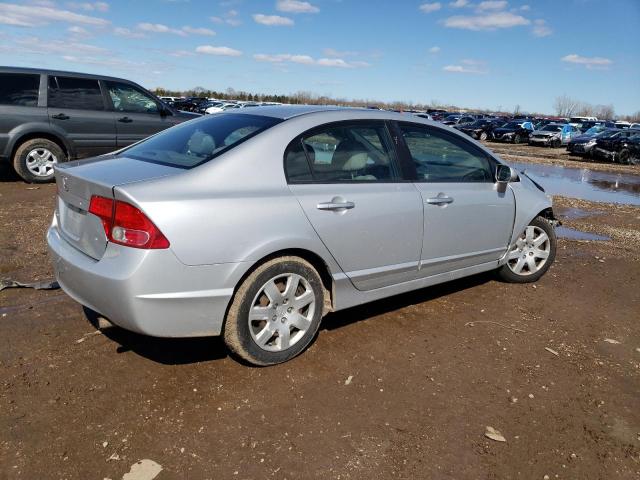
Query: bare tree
516	109
604	112
565	106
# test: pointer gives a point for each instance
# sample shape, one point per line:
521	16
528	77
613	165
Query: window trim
446	134
388	140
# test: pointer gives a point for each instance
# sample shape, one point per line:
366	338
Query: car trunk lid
78	181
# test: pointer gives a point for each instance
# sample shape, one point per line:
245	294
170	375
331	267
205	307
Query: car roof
39	71
285	112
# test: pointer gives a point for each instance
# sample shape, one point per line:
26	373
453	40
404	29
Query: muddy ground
403	388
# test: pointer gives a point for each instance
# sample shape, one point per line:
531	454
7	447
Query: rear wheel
276	312
624	156
34	160
532	254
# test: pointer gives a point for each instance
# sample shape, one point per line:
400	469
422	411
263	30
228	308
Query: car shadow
180	351
7	173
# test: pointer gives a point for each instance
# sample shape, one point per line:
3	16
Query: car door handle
439	200
125	120
60	116
336	206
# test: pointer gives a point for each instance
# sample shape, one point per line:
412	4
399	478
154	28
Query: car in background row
583	144
480	129
513	132
48	117
608	147
458	119
554	135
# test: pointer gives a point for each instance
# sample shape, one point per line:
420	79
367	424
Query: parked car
628	150
480	129
514	132
554	135
583	144
48	117
134	237
607	147
458	119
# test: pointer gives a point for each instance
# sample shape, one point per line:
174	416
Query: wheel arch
31	135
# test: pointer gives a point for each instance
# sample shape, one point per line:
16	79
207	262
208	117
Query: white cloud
220	51
272	20
89	6
35	16
198	31
541	29
492	5
525	8
296	6
434	50
464	69
78	31
459	3
230	18
181	53
330	52
490	21
591	63
159	28
125	32
36	45
430	7
308	60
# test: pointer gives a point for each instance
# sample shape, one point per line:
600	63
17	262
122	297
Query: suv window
19	89
70	92
342	153
440	157
127	98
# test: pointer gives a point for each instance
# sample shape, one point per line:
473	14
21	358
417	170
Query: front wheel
276	312
517	139
624	156
483	136
532	254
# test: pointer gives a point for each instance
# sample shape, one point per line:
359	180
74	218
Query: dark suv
48	117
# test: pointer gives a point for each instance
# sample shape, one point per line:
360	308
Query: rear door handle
60	116
439	200
336	206
125	120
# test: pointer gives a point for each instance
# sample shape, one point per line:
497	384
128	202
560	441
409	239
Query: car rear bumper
146	291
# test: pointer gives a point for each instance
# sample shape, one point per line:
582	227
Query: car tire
256	324
483	136
623	156
556	143
35	158
519	267
516	138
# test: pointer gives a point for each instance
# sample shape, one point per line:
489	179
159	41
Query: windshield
511	125
594	130
192	143
552	128
452	117
479	123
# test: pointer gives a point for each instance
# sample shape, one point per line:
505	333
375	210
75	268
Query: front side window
127	98
19	89
192	143
342	154
78	93
441	157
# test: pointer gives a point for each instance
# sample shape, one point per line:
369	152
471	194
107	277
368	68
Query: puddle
584	184
573	213
573	234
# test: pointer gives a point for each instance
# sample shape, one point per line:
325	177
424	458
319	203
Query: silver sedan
255	224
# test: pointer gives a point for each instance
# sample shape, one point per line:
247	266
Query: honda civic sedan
255	225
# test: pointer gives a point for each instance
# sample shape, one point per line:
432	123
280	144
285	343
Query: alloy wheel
282	312
40	162
530	251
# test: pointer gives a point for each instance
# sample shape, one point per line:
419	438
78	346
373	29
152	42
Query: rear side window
19	89
195	142
342	153
79	93
440	157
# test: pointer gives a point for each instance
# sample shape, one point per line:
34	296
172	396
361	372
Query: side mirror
504	175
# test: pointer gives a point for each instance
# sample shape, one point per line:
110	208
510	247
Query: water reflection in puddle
584	184
572	234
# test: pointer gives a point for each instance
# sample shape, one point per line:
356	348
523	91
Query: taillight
125	224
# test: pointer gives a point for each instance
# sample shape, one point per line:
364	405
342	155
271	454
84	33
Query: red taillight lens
127	225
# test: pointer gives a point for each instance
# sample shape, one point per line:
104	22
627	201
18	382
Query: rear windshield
193	143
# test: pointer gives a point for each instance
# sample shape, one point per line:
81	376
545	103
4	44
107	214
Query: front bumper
540	140
604	154
146	291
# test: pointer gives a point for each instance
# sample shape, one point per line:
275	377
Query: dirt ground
403	388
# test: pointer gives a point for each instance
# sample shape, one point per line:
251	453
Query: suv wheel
34	160
532	254
276	312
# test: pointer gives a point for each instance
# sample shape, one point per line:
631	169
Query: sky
492	54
